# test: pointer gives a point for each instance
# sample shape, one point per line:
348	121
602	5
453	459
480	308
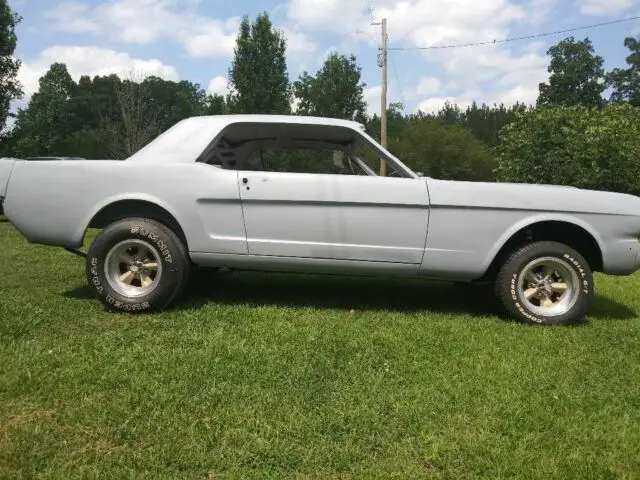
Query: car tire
545	283
137	265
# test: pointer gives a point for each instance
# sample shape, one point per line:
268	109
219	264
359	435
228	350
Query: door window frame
381	152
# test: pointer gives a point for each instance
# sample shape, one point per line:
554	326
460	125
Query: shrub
583	147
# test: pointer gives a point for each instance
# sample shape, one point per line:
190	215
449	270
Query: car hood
522	196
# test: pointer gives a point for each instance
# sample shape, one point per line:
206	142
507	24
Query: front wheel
137	265
546	283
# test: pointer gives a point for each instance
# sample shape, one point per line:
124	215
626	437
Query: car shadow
335	292
349	293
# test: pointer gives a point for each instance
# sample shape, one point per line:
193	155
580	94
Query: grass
278	376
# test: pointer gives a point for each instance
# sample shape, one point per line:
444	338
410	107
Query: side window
301	160
370	156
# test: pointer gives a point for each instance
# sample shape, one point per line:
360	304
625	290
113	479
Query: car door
332	215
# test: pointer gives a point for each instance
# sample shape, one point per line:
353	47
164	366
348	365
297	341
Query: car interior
295	148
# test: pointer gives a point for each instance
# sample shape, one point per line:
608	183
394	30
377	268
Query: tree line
573	135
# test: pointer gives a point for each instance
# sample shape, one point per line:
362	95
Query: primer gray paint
322	223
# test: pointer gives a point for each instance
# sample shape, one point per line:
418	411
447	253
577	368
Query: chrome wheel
133	268
548	287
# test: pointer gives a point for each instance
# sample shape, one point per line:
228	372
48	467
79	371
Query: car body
192	179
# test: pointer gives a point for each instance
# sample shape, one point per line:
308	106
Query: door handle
245	182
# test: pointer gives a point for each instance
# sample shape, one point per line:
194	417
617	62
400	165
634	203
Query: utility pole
384	53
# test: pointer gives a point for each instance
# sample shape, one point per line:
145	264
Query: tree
578	146
45	126
626	82
336	91
577	75
447	152
139	120
258	73
396	123
216	105
174	101
10	88
92	106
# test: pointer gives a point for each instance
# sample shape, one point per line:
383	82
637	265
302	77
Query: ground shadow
336	292
348	293
82	292
606	308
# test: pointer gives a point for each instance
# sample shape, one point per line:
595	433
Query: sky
194	40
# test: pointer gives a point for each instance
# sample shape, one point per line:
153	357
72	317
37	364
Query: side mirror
420	174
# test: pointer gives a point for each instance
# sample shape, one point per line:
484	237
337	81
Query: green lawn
278	376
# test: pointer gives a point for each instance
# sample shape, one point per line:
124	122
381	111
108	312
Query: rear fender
123	197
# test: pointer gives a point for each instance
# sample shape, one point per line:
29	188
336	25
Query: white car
301	194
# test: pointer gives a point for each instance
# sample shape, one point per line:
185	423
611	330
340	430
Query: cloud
90	61
298	43
328	15
605	7
72	17
434	104
218	85
428	86
539	10
492	72
521	94
373	96
145	21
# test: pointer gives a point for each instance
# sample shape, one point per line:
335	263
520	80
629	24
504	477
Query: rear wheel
546	283
137	265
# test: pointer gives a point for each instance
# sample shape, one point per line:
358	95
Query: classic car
39	159
304	194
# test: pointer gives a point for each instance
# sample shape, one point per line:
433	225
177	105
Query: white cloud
605	7
521	94
428	86
144	21
219	85
488	71
373	96
90	61
539	10
330	15
298	43
434	104
73	17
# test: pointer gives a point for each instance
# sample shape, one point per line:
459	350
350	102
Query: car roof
187	139
270	118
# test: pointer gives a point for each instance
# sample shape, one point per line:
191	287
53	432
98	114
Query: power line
515	39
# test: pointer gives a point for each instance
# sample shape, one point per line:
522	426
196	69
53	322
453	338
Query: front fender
540	218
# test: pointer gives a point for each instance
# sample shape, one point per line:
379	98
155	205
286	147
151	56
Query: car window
302	160
371	157
297	148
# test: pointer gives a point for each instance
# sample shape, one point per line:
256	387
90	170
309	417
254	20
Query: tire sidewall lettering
586	286
99	287
155	239
585	290
95	278
166	245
